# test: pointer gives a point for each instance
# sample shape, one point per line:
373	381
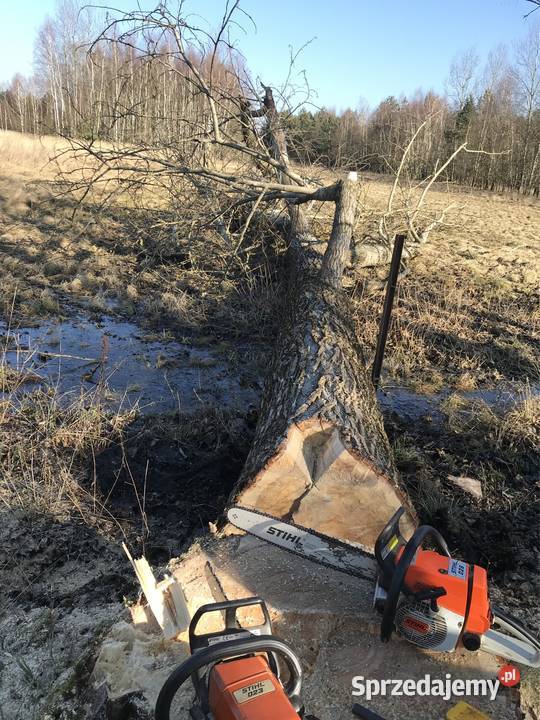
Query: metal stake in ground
391	286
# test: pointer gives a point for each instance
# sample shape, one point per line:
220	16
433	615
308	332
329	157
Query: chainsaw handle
400	571
225	651
229	608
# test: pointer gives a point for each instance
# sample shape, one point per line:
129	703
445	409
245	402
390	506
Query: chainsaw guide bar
322	549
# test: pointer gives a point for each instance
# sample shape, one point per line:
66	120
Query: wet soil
171	488
402	402
500	531
65	582
168	482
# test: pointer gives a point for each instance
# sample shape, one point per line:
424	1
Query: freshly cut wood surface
320	454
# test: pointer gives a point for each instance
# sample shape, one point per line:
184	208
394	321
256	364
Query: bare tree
460	82
130	92
405	208
527	77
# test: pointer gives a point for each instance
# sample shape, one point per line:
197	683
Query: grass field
465	332
468	310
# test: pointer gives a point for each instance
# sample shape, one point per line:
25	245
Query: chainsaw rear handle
226	651
400	571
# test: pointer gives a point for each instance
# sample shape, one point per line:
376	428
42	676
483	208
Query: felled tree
320	454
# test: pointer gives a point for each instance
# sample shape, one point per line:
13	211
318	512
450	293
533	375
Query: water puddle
161	374
158	373
413	406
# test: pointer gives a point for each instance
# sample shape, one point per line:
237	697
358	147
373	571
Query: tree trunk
320	455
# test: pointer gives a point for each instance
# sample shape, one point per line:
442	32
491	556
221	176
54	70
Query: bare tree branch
536	3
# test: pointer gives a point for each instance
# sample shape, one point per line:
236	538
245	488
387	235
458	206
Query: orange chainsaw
239	673
431	599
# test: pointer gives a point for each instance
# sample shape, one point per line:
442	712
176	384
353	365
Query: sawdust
332	630
134	661
468	314
44	655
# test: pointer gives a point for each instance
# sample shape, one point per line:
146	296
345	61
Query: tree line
124	92
107	89
496	110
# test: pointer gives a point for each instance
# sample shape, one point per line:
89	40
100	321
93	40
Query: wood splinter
165	598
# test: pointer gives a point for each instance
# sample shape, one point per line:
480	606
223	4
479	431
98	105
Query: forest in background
126	93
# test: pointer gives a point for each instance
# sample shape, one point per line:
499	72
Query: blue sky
361	48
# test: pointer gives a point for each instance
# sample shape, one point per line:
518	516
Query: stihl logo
283	535
418	626
509	675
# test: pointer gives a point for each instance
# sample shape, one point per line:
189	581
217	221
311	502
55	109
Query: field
132	366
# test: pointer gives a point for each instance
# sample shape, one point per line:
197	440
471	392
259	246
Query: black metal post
391	285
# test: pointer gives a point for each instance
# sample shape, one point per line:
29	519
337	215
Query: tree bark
338	252
320	455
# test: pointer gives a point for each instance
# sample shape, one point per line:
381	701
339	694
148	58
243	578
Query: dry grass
47	447
470	306
500	449
468	313
515	431
521	426
28	155
129	256
12	379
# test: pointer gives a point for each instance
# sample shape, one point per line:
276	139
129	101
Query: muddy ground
170	477
149	330
65	582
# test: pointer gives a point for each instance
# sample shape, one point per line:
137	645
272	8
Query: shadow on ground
501	531
173	474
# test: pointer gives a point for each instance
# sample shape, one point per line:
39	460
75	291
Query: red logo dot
509	675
